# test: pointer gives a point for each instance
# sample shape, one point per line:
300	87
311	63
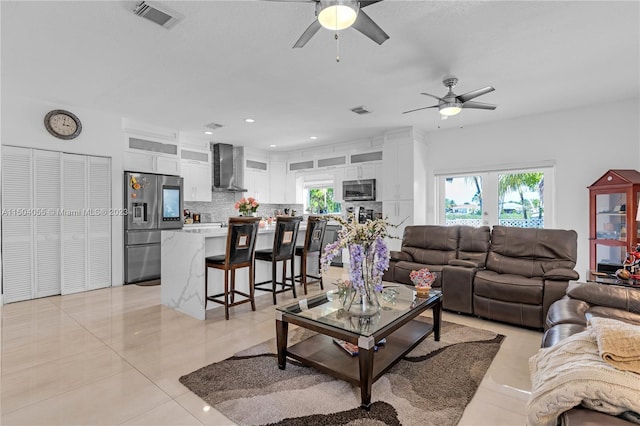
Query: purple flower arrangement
367	250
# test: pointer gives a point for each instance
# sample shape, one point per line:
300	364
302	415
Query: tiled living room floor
114	356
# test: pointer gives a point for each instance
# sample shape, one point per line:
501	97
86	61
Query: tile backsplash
222	204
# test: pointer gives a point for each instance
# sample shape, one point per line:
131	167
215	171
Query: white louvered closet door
99	247
74	224
47	221
17	224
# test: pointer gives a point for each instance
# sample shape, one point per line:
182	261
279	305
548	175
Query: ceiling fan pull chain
337	47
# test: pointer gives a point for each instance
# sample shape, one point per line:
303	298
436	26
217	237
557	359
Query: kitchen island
183	252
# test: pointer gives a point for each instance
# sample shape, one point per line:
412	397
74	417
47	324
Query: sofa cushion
625	298
474	243
431	244
403	269
508	287
531	252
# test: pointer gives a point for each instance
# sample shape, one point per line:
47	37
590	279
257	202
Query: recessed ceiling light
249	120
313	138
272	146
208	133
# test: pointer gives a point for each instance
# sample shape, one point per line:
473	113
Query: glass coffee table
324	314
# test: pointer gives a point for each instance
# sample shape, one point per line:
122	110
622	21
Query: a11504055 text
26	212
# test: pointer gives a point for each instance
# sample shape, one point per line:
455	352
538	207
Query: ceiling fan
338	15
451	104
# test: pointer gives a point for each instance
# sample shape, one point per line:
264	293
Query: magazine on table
352	349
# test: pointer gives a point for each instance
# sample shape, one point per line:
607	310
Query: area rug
432	385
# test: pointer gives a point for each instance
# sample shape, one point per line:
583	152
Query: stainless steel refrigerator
153	202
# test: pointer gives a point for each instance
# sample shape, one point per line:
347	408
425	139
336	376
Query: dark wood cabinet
613	224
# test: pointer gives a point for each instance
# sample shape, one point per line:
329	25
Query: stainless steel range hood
228	168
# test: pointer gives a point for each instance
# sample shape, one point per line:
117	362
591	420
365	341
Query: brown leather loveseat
506	274
570	315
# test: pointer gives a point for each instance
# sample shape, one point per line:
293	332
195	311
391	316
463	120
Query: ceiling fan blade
308	33
474	94
479	105
366	26
293	1
433	96
367	3
418	109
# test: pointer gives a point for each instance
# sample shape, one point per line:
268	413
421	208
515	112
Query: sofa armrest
400	256
561	274
613	296
466	263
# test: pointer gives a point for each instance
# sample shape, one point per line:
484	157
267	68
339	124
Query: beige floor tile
202	411
170	414
110	401
30	385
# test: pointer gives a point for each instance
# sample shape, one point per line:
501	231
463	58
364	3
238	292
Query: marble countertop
217	231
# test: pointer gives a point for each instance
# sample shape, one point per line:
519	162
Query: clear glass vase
362	302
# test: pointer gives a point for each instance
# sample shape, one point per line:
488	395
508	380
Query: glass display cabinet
613	224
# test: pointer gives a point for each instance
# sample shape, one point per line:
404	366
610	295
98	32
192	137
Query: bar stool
316	225
240	252
284	243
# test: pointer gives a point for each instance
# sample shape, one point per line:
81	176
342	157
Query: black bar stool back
240	251
316	225
284	243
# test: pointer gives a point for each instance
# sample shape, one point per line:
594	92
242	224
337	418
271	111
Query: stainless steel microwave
359	190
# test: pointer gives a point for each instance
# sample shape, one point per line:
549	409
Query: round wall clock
62	124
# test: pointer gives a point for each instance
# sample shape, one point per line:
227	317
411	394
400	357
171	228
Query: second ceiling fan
451	104
340	14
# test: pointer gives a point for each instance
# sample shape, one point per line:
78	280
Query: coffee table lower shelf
323	354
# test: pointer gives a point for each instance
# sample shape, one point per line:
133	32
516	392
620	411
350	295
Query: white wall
583	143
23	125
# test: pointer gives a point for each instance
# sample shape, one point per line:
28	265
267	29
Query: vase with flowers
422	280
247	206
369	258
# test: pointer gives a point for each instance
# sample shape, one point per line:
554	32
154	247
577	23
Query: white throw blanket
573	373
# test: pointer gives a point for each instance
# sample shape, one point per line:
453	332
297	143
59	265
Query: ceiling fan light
337	15
449	109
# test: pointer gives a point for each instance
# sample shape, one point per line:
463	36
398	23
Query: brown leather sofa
570	314
506	274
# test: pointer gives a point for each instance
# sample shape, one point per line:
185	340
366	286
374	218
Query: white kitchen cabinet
362	171
195	168
398	213
278	189
257	185
338	178
397	182
56	232
147	154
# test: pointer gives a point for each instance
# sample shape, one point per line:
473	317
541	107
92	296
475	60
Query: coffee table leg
365	358
282	328
437	320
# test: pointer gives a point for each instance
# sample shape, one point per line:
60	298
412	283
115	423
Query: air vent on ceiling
213	126
360	110
160	15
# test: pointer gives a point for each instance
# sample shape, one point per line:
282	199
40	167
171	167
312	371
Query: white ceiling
229	60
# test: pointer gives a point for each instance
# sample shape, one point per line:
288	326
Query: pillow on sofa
618	297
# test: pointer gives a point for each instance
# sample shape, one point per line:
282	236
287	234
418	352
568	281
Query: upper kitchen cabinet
282	188
403	164
150	150
195	167
256	175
